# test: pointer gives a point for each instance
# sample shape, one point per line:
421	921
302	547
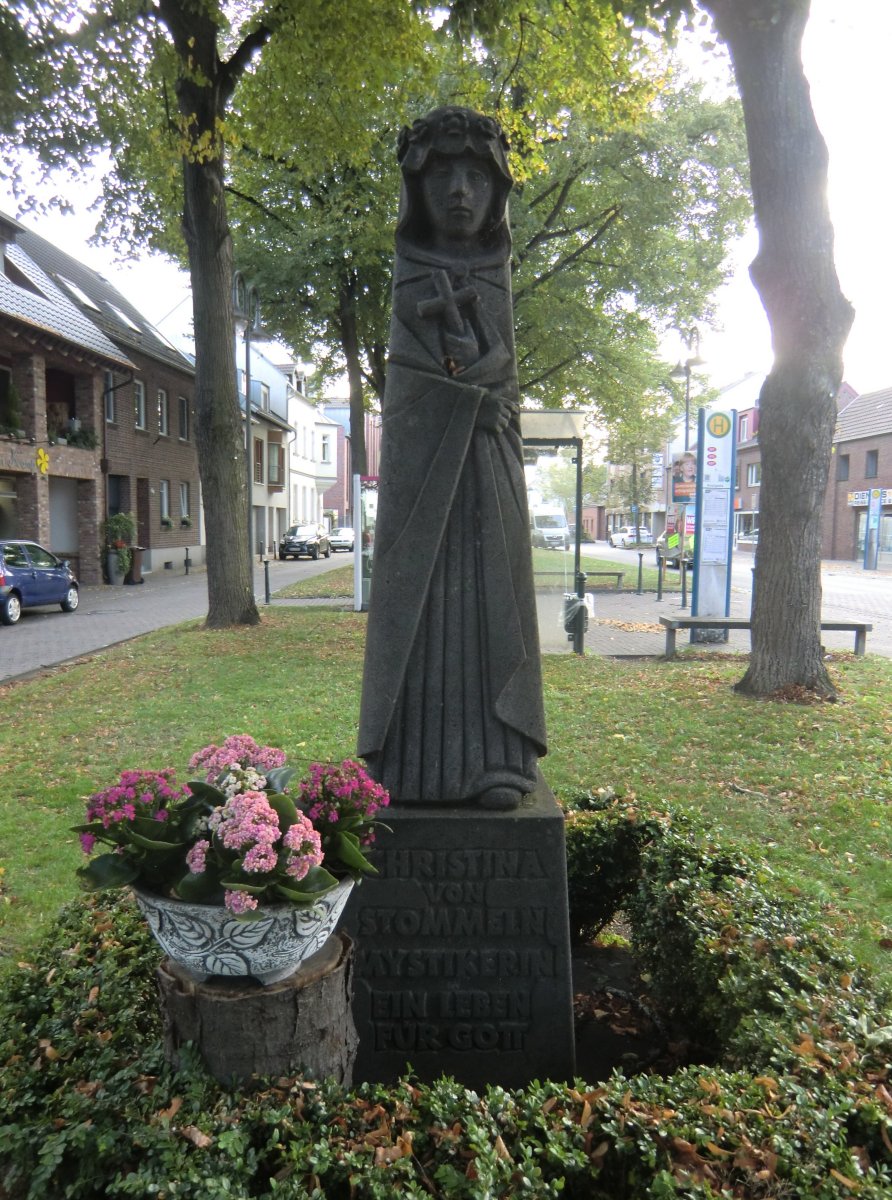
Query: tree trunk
304	1024
350	343
202	97
795	276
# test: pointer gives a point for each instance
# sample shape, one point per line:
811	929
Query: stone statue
452	695
452	707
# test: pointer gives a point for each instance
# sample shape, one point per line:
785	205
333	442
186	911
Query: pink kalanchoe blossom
87	843
244	820
137	793
334	792
239	750
239	902
304	846
260	858
196	858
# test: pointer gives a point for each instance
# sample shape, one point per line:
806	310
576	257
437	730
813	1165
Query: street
626	624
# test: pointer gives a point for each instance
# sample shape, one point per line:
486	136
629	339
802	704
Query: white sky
846	54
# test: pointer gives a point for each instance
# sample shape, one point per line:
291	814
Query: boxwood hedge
787	1094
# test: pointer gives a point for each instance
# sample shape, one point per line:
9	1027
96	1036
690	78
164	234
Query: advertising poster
684	478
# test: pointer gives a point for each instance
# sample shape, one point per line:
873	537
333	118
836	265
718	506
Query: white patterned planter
207	940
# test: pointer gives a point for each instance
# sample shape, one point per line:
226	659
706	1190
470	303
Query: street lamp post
682	370
246	312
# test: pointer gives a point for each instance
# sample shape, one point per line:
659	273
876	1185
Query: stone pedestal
463	947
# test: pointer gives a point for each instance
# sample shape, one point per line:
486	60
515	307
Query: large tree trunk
350	342
202	95
795	276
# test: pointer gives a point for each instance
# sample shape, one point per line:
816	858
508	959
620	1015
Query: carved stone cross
447	302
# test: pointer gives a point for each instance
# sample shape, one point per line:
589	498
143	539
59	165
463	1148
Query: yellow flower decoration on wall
43	461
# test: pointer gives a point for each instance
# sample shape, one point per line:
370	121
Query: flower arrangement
239	836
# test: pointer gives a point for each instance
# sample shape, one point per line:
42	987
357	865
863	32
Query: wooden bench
673	624
617	575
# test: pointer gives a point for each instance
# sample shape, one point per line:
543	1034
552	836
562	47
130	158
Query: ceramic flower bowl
207	940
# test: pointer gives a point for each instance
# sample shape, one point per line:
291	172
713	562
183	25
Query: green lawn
807	786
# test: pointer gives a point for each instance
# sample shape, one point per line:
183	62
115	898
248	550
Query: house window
743	433
264	397
184	500
258	460
139	399
276	464
754	474
871	464
326	448
842	467
109	398
183	404
164	499
163	413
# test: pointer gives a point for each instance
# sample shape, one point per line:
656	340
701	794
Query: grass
552	568
808	787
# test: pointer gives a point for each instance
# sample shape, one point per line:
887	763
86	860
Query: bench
617	575
673	624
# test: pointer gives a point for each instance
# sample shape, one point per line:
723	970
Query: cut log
301	1025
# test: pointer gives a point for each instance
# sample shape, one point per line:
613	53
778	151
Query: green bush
791	1099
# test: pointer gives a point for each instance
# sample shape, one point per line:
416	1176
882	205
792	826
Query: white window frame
185	417
139	404
754	474
184	499
163	413
164	498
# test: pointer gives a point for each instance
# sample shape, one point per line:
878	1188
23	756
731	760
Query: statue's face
458	194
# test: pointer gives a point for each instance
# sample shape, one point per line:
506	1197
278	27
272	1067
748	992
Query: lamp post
246	314
682	370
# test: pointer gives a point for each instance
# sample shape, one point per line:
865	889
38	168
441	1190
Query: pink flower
195	859
239	902
260	858
87	843
304	846
239	750
244	820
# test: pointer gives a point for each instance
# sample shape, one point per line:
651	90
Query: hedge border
793	1097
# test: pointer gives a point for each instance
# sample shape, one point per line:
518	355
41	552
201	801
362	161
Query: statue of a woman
452	697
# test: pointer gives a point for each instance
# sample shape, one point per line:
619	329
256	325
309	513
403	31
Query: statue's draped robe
452	693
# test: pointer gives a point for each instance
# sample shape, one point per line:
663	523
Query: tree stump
300	1025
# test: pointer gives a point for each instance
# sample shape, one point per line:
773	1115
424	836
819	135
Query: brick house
106	406
862	462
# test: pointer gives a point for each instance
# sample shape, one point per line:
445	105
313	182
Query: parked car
630	535
671	557
307	541
341	538
31	576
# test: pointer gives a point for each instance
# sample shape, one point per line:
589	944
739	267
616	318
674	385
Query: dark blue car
31	576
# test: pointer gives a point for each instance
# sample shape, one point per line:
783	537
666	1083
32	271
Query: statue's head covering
450	131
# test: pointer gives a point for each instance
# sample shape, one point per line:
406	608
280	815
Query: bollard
683	567
266	578
659	576
188	563
640	571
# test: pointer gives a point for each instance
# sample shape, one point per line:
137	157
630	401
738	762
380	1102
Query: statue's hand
496	412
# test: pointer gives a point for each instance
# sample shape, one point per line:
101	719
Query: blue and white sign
716	451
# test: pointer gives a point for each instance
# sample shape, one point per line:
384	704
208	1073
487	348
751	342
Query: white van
549	528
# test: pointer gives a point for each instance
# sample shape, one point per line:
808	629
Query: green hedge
791	1096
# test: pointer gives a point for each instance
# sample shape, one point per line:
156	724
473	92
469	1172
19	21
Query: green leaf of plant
346	847
284	808
107	871
279	777
150	843
199	888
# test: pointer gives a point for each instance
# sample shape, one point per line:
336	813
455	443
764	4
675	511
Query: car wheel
328	552
314	553
10	609
71	601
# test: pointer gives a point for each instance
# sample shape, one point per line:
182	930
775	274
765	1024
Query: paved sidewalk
625	624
